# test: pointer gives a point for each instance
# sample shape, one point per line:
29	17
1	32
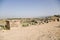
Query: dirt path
48	31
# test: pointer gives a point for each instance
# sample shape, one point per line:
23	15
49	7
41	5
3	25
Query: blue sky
28	8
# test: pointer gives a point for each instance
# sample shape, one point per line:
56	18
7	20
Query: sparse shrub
4	27
53	19
46	21
32	23
25	24
1	27
58	20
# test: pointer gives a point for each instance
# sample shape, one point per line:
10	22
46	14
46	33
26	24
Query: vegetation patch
1	27
25	24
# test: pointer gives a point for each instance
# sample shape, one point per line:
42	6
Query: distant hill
41	17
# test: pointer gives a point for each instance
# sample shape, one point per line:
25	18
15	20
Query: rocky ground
47	31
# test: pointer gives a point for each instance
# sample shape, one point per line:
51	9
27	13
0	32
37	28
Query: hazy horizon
28	8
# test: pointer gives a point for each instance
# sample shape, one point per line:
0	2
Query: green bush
32	23
25	24
4	27
1	27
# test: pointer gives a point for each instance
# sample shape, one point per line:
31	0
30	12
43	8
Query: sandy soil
47	31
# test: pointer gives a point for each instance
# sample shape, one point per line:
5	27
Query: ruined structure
14	23
8	23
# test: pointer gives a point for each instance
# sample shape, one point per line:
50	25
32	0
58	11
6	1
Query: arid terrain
46	31
49	31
